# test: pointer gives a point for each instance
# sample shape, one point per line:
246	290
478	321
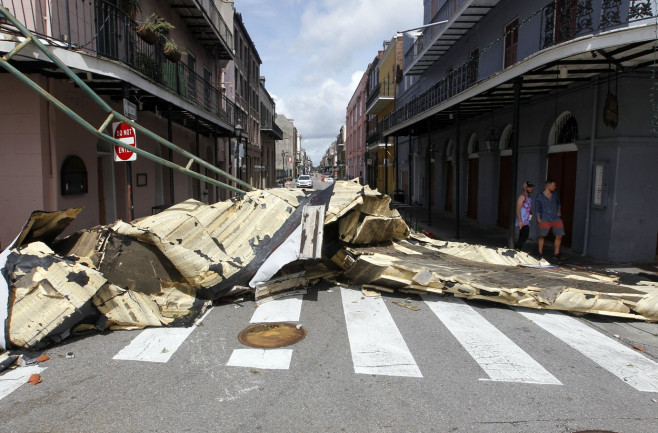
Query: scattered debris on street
167	269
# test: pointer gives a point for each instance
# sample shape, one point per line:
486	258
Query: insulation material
59	290
127	309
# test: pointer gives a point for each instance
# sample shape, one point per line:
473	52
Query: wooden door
473	171
448	205
511	42
565	20
504	185
562	169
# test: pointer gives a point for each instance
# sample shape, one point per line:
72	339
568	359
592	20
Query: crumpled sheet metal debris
49	294
484	278
161	270
364	215
215	246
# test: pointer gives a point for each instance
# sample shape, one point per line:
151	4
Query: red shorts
556	226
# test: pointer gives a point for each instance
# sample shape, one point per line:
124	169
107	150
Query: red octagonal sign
125	133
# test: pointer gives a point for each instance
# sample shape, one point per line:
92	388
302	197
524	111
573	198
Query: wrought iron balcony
459	17
269	126
102	30
206	24
381	96
561	21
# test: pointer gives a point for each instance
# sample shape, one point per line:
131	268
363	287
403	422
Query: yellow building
382	84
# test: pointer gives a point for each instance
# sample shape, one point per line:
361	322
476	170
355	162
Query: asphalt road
199	388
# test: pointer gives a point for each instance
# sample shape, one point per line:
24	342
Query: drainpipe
457	158
397	173
518	82
595	101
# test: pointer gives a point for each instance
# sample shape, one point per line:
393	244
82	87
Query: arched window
73	176
564	130
449	150
473	145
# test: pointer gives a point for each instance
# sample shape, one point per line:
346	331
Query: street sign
125	133
129	110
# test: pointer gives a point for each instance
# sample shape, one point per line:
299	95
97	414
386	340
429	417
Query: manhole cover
269	335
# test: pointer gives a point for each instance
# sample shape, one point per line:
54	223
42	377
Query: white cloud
319	114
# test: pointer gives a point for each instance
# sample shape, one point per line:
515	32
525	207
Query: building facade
285	150
246	65
383	80
53	163
269	133
355	138
499	92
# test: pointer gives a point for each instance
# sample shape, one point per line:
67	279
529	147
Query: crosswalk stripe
157	344
274	359
633	368
375	341
12	380
497	355
279	310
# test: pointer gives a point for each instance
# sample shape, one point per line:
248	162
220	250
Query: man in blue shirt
549	212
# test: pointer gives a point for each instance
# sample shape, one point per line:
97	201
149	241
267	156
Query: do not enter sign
125	133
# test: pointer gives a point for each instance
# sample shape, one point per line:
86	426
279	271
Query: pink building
49	162
355	123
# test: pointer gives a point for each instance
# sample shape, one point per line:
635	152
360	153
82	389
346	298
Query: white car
304	181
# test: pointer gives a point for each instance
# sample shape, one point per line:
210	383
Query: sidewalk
444	226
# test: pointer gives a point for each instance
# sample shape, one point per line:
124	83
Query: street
366	365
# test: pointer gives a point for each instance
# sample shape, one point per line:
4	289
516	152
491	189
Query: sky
314	53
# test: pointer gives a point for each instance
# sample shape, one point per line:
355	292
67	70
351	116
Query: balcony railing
101	29
447	11
381	90
562	20
217	21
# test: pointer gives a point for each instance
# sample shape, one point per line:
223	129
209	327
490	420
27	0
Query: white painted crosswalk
496	353
377	345
633	368
157	344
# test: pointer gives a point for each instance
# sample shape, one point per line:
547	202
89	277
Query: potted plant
172	51
152	28
130	7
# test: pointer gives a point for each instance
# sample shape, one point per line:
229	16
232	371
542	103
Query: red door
448	205
472	205
562	169
504	185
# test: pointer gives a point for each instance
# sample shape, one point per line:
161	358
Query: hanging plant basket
173	54
148	34
152	28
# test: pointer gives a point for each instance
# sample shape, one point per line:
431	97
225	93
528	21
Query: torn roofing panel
217	246
44	226
59	290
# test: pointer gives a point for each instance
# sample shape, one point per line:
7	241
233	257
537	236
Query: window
472	69
511	42
73	176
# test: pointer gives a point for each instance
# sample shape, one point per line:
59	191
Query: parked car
304	181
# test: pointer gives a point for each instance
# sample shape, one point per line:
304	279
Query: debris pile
165	269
